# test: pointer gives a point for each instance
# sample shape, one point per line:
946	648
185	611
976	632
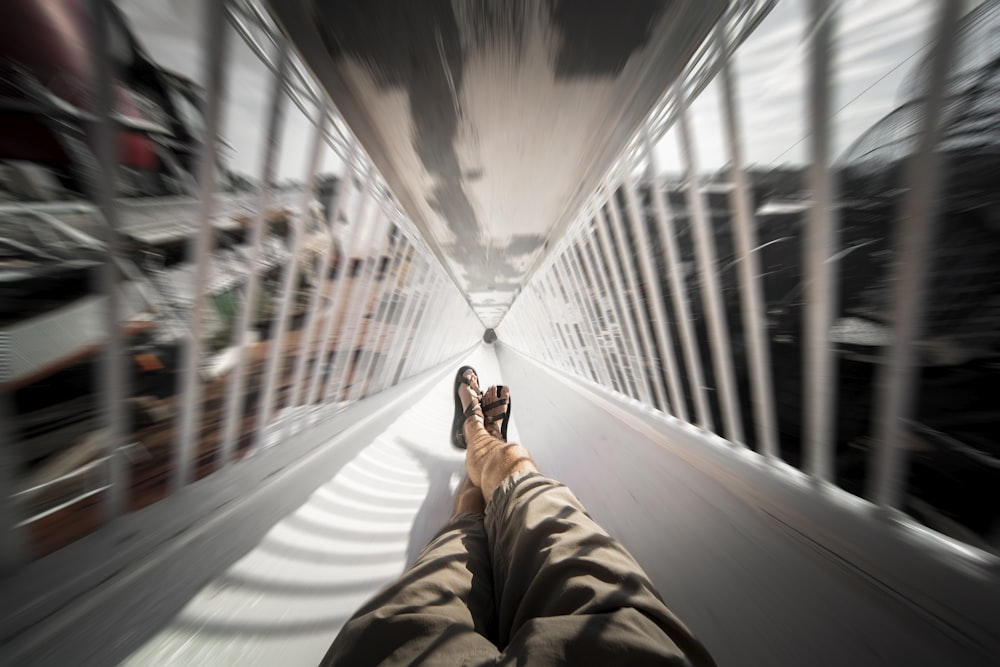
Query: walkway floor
285	601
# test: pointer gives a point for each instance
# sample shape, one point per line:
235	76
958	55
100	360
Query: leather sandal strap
496	404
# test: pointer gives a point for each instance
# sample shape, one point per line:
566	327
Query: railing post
659	313
390	279
187	433
420	283
897	383
235	398
589	319
649	366
704	245
308	347
392	309
745	242
821	241
589	250
360	298
630	343
678	289
411	360
278	358
359	228
556	313
113	383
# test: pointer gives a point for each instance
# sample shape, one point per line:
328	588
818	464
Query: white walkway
285	601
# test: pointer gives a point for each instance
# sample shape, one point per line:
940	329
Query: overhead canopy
492	121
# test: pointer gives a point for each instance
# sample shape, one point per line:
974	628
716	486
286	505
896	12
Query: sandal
497	410
457	434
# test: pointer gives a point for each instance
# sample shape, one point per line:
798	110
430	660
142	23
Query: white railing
616	302
360	326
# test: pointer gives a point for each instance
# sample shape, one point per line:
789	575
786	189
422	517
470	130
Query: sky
876	45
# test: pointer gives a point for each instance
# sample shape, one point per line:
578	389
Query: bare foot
496	402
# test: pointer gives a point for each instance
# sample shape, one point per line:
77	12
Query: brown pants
536	581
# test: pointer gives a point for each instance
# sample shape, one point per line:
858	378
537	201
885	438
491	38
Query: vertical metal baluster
392	310
113	372
898	377
649	366
678	289
543	305
576	314
412	355
414	358
235	397
358	230
659	313
820	245
429	347
629	339
554	334
308	348
438	349
386	370
347	363
277	358
745	240
390	278
615	328
556	316
421	287
544	336
704	246
591	300
187	434
579	295
586	300
353	308
537	345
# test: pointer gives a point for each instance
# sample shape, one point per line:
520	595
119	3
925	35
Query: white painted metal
278	357
745	243
200	248
647	361
613	327
914	232
381	288
651	280
113	384
704	245
820	243
391	284
630	344
241	336
357	230
587	303
308	346
420	285
581	304
682	310
344	358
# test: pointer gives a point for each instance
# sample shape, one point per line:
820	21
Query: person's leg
441	608
488	459
496	410
566	591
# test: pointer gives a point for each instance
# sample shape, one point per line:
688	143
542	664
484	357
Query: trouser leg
440	611
568	592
